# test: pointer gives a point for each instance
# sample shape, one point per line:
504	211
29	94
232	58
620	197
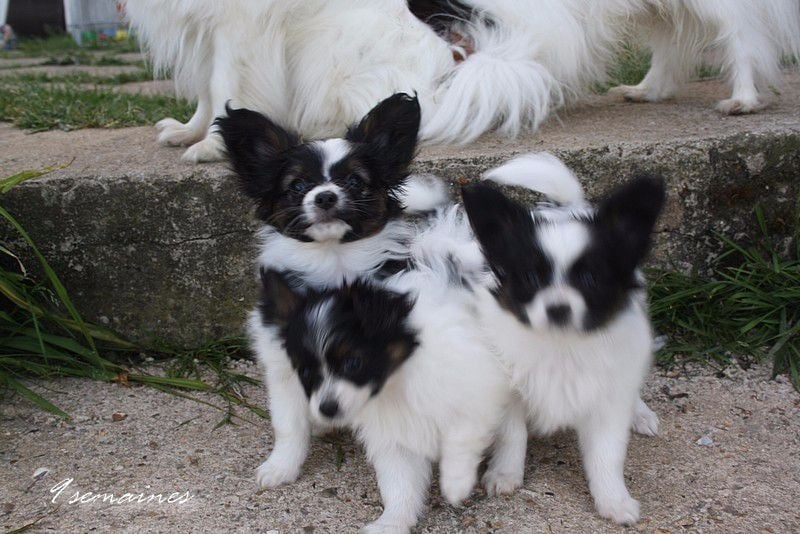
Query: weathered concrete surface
747	480
162	250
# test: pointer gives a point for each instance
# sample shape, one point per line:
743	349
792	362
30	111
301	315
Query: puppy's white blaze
319	325
541	172
324	230
563	243
332	152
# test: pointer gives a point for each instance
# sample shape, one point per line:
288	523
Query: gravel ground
726	461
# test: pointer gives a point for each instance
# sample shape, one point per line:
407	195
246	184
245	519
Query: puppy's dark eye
352	365
297	186
354	181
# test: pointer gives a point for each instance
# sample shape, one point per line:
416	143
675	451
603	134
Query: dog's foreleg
507	463
289	414
462	450
403	478
175	133
742	50
603	439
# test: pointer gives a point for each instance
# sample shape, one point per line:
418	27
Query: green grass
633	62
61	42
42	335
38	107
75	78
749	306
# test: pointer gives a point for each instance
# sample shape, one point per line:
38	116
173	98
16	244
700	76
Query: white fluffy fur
317	66
542	172
331	263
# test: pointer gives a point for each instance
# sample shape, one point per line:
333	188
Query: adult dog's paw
739	106
209	149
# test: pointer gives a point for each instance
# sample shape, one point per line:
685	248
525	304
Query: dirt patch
745	479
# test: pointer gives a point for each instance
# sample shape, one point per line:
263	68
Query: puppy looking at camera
331	212
566	309
404	365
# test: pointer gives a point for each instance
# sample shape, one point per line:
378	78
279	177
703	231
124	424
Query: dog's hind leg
176	133
507	463
403	478
743	50
288	408
666	70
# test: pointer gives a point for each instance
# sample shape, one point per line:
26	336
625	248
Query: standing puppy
567	312
331	212
404	365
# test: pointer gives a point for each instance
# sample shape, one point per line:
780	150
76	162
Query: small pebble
118	416
705	441
40	473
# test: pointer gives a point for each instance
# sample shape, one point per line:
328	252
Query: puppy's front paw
381	527
500	483
645	421
739	106
275	472
623	511
457	487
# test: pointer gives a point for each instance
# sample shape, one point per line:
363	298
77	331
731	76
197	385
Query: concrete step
162	251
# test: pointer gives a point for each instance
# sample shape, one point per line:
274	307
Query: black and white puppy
566	308
331	212
403	364
331	208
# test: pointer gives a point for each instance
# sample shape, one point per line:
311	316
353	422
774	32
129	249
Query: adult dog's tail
500	86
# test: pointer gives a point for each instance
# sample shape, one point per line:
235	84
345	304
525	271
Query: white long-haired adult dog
317	66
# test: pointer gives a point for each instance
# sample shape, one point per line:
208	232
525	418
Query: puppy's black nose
329	408
325	200
558	314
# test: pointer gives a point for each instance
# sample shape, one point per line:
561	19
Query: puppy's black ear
505	230
256	147
627	216
504	227
389	133
279	297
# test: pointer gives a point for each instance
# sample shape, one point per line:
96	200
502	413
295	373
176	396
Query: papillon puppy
331	212
565	308
403	364
316	66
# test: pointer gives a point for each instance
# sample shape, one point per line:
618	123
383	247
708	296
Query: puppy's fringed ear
504	227
279	297
628	215
389	132
256	147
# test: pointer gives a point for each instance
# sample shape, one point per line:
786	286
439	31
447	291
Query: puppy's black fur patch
360	331
277	170
440	14
505	230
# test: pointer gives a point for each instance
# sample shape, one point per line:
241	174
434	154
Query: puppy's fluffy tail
541	172
501	86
